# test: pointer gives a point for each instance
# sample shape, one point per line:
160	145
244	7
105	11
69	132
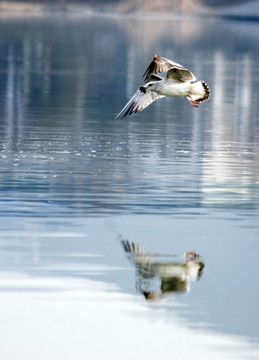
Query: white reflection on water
47	314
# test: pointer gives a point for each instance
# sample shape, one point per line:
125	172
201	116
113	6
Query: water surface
75	183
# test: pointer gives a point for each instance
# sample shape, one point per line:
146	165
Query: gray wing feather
175	72
160	65
180	75
139	101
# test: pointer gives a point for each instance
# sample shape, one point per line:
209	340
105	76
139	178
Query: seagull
176	83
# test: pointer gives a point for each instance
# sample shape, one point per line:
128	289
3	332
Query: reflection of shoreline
25	9
165	8
158	276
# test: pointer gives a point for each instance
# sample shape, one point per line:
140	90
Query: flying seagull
176	83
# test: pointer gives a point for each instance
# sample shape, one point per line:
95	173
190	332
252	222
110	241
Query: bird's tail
200	92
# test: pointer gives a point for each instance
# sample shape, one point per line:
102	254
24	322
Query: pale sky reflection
90	319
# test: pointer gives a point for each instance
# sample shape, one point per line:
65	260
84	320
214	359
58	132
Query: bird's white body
172	89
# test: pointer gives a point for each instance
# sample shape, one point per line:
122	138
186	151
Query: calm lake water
76	185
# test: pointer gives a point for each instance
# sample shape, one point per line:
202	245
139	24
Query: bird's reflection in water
157	275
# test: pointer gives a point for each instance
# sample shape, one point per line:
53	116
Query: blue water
75	182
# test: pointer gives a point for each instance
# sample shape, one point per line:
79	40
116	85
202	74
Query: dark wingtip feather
207	93
151	68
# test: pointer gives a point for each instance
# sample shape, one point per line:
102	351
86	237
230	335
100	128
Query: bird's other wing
160	65
142	98
152	78
180	75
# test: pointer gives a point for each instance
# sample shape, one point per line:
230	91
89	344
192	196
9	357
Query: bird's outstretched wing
176	71
139	101
142	98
